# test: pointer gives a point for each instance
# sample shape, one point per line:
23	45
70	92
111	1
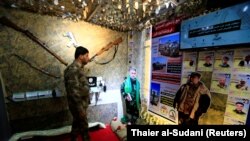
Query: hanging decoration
120	15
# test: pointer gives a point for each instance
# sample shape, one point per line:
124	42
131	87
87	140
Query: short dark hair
80	51
226	58
247	57
239	103
208	56
193	74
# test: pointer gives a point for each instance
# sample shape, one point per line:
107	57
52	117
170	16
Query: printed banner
166	69
161	100
166	27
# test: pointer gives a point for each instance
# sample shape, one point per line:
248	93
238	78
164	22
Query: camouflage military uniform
78	98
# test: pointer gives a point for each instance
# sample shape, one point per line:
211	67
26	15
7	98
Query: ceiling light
14	5
56	2
119	6
84	3
245	8
62	7
157	2
136	5
144	7
157	10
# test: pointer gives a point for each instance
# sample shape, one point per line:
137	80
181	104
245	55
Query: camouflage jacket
76	85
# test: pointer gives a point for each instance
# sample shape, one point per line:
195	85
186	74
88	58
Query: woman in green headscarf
130	90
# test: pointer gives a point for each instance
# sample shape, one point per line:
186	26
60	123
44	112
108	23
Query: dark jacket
202	102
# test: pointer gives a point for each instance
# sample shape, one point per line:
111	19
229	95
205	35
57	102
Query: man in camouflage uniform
77	89
130	90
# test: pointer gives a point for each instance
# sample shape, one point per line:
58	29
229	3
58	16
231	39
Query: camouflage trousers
79	125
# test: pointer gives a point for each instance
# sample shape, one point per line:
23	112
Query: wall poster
236	110
166	75
206	61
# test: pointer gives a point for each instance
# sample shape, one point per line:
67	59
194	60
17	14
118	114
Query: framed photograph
220	83
206	61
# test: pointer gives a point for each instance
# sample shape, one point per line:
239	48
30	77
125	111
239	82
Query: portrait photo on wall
189	61
240	85
224	61
159	64
237	108
220	83
242	60
206	61
169	45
